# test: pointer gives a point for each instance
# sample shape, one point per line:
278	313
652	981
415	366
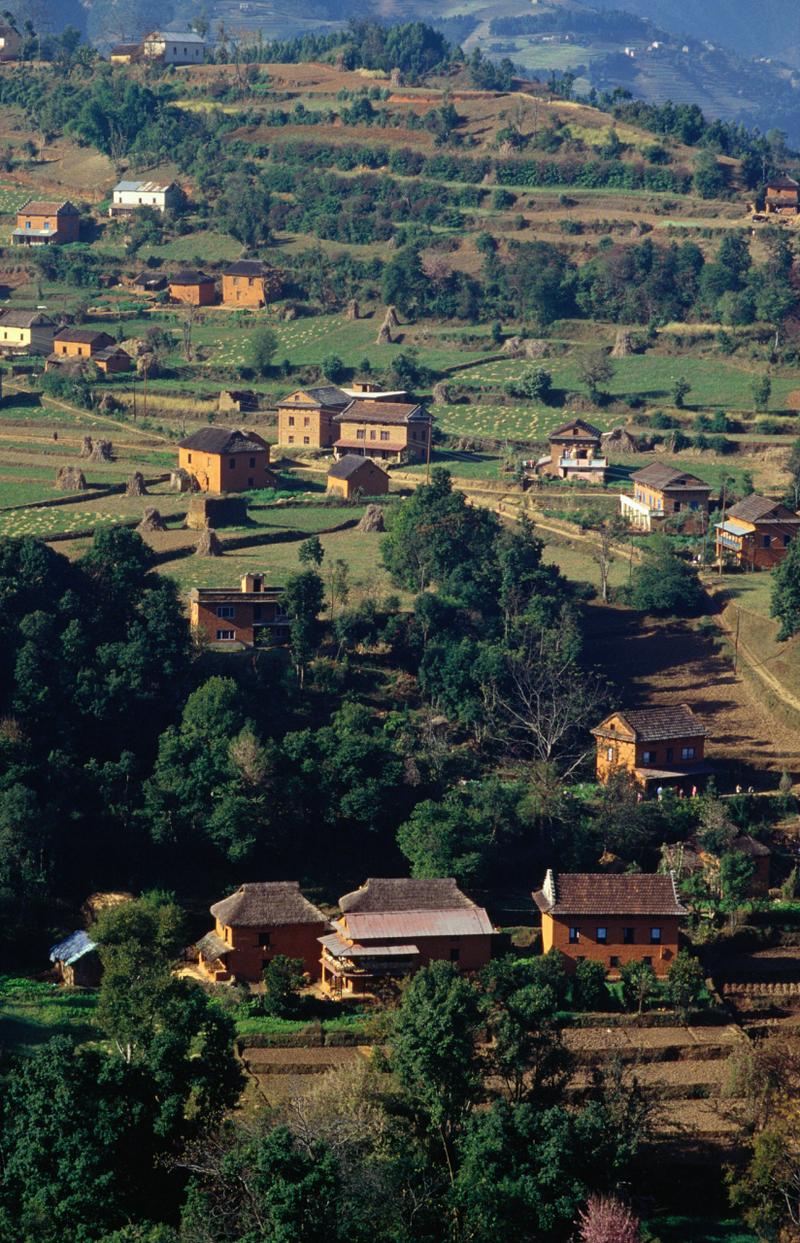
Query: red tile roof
589	893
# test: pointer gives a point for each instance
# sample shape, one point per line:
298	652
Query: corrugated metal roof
340	949
734	528
415	924
142	187
72	948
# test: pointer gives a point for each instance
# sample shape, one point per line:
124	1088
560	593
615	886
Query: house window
291	440
361	434
610	754
786	540
677	507
455	953
669	755
765	540
263	940
647	960
226	611
306	422
384	435
225	634
655	936
188	457
306	440
648	757
291	420
687	753
613	961
574	936
251	483
252	462
602	935
627	936
47	225
232	463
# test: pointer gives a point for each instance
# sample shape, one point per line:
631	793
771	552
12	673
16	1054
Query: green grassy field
32	1012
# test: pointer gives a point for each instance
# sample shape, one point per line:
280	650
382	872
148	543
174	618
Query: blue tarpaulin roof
72	948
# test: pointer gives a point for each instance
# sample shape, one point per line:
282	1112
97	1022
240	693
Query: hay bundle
208	545
621	440
384	336
372	519
70	479
180	480
148	364
396	77
290	313
353	310
151	520
135	485
535	349
513	347
102	451
441	394
87	446
624	345
390	318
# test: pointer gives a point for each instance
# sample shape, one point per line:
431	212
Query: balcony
583	463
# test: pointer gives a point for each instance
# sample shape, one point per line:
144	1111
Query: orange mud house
661	491
654	746
575	453
238	617
354	476
257	923
226	461
41	223
756	533
392	926
71	344
193	288
390	431
611	919
250	283
782	197
305	417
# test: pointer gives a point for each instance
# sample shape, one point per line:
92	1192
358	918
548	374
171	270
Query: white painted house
174	47
128	196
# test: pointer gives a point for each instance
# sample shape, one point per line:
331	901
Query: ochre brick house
354	476
575	452
305	417
225	461
655	746
80	343
257	923
45	223
756	533
611	919
238	617
193	288
782	197
661	491
249	282
392	926
386	430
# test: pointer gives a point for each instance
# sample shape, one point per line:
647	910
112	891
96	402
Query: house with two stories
392	926
221	460
193	288
257	923
661	491
782	196
248	282
755	533
656	747
44	222
87	345
389	431
239	617
130	196
611	919
26	332
352	476
575	453
305	417
174	47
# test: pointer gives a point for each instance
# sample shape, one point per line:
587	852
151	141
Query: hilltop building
238	617
756	533
661	491
174	47
249	282
193	288
782	197
255	924
611	919
392	926
226	461
655	746
390	431
353	476
43	222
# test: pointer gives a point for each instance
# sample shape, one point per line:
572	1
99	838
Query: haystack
70	479
208	545
290	313
621	440
181	481
535	348
152	520
135	485
390	318
396	77
102	451
384	336
353	311
441	394
513	347
87	446
372	519
624	345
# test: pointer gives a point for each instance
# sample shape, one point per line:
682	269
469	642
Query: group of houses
34	333
364	421
754	533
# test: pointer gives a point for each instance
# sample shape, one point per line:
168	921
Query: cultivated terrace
399	650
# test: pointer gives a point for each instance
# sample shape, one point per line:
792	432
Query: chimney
549	887
253	582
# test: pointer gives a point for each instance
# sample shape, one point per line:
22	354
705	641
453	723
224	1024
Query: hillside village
400	675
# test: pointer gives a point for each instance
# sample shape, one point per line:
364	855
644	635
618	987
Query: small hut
76	961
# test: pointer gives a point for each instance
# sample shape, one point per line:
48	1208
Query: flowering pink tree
607	1220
